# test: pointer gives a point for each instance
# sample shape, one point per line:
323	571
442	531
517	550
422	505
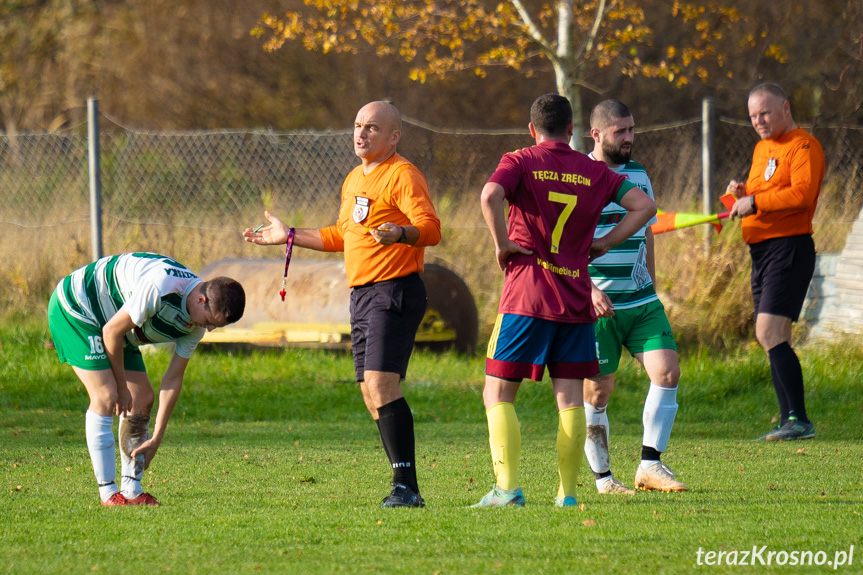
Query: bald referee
385	221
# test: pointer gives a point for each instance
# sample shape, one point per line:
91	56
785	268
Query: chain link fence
189	194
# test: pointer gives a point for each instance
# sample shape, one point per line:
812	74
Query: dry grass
706	291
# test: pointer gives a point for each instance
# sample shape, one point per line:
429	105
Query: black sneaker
402	496
793	429
775	429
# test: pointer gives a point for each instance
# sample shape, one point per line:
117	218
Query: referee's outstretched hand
274	234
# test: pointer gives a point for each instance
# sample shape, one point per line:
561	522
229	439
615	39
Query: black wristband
404	238
752	203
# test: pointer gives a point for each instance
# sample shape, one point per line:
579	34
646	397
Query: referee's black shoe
403	496
793	429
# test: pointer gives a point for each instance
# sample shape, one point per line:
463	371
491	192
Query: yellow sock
571	432
504	438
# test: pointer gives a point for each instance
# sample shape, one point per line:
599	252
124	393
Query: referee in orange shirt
777	203
385	220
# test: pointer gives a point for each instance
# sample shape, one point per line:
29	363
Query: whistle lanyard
289	247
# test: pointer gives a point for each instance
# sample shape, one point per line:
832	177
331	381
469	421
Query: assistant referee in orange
777	203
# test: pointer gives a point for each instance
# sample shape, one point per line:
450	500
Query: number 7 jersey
555	196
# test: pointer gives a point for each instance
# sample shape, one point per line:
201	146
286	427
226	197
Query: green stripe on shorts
80	344
638	329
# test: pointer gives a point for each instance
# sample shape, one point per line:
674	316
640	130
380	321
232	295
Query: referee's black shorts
782	269
385	317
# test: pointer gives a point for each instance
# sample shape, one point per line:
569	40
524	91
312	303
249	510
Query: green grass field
271	464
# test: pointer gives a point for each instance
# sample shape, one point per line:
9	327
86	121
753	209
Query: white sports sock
660	409
596	442
133	430
100	442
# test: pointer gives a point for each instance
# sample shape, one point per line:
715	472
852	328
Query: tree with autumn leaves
574	40
184	64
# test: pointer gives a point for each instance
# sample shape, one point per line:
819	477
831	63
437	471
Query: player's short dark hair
771	88
225	296
551	115
606	111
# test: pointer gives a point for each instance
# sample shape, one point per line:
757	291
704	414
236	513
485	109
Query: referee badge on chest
771	167
361	209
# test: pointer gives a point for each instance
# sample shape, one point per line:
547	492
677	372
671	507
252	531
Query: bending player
98	317
631	316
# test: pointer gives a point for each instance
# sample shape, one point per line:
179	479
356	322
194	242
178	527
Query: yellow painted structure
316	311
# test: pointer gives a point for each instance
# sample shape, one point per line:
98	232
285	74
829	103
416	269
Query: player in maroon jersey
546	317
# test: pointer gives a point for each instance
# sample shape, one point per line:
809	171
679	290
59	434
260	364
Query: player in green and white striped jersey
623	274
99	316
630	315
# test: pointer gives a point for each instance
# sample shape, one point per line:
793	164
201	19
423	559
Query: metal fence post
95	177
707	197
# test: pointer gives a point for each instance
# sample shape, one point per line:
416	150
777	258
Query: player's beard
616	155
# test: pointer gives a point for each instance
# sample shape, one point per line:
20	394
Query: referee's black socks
396	423
784	363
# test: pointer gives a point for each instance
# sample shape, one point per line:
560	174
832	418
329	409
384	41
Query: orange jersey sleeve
333	241
785	179
395	191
